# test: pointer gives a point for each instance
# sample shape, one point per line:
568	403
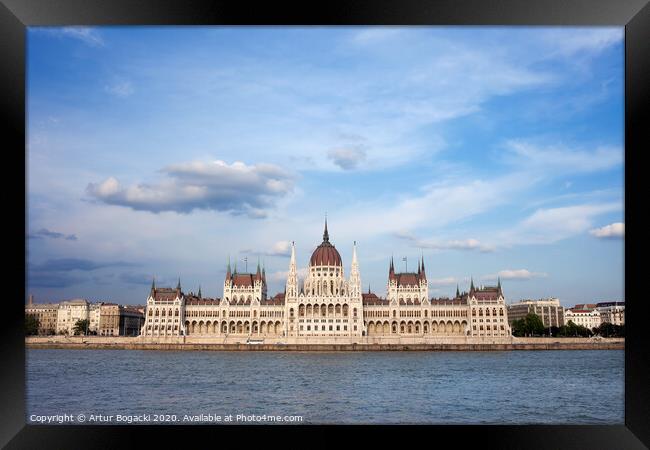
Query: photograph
319	225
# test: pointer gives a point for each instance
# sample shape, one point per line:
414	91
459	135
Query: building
109	320
612	312
131	321
326	304
46	313
588	318
104	319
549	310
71	311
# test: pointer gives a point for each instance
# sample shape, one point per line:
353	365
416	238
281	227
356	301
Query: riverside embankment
367	344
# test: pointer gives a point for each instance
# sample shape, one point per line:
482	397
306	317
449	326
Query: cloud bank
236	188
518	274
45	233
612	231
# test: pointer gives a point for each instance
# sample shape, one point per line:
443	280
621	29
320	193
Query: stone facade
612	312
109	320
105	319
71	311
588	318
326	306
549	310
46	313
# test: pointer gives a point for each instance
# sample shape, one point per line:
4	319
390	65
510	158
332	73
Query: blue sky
162	151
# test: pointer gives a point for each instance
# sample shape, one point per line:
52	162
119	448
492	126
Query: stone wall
326	344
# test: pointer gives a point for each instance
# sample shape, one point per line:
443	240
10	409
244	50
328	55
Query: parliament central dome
325	254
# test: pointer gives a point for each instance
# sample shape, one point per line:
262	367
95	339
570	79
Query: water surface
511	387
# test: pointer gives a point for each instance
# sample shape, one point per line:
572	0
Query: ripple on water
364	387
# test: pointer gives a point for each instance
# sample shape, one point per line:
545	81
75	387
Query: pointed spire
368	288
326	236
178	286
457	291
199	291
423	263
228	274
354	253
153	284
263	272
471	286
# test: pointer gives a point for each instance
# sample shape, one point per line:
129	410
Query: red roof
408	279
193	300
447	301
165	294
243	279
325	255
277	300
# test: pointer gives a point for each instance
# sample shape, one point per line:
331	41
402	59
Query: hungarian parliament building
325	306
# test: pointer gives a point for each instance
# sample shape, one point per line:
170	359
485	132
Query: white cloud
560	159
554	224
347	158
281	276
612	231
236	188
462	244
582	40
519	274
280	248
120	88
447	281
375	35
89	36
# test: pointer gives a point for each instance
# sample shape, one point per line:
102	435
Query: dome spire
326	236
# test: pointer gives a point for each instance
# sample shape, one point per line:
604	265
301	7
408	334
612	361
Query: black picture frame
16	15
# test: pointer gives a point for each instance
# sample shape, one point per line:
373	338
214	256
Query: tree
518	328
31	324
81	326
534	325
607	329
573	330
531	325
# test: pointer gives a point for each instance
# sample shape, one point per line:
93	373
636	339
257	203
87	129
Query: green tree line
532	325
